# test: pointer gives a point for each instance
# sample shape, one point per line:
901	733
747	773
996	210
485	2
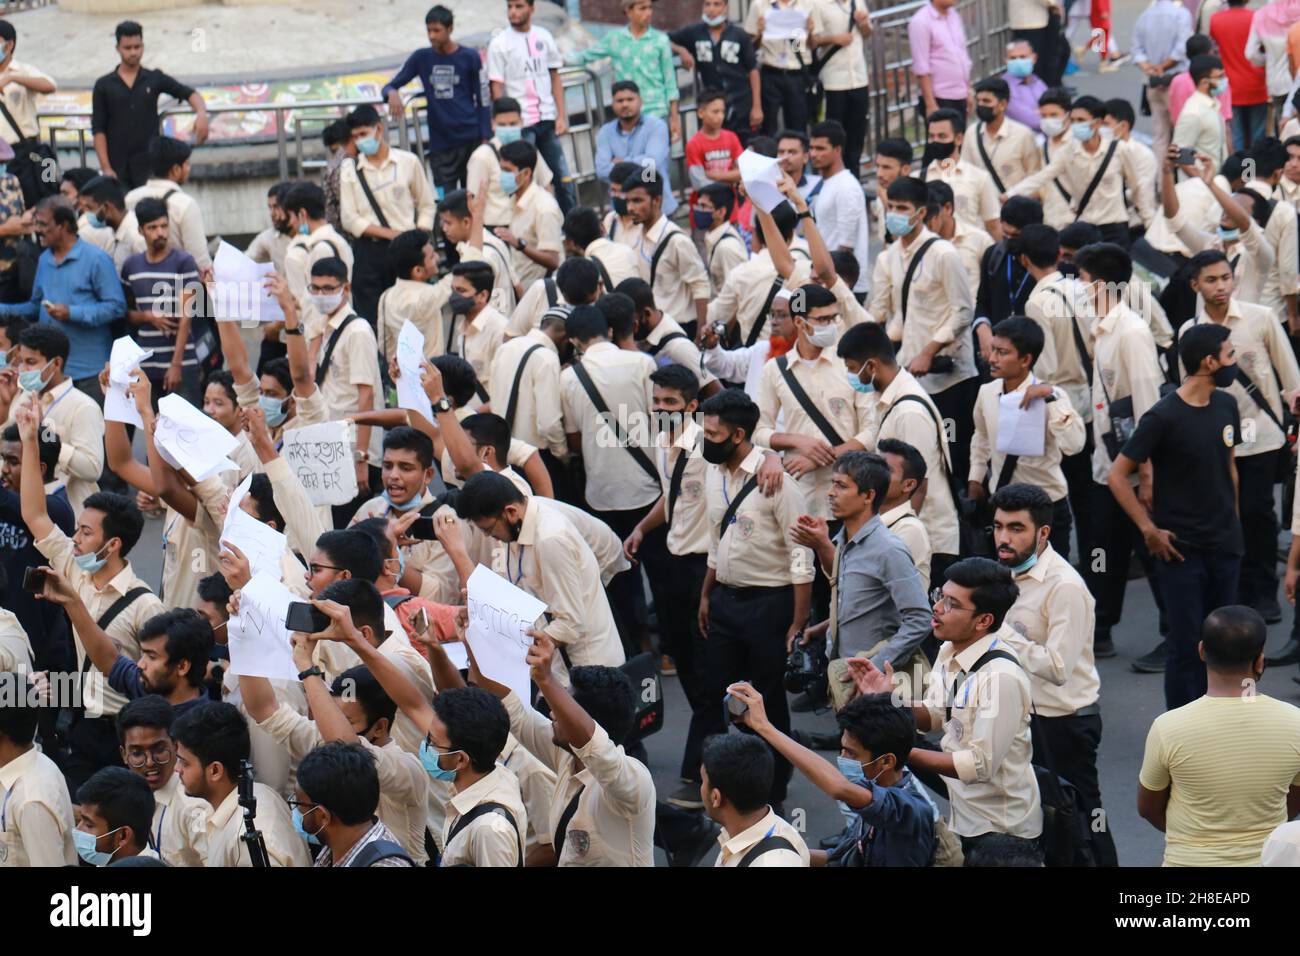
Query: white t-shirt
840	209
523	61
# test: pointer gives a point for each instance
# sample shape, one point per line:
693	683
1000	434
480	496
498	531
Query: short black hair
149	210
1024	497
342	778
914	466
128	28
619	172
215	732
949	116
189	638
1203	260
809	297
875	723
167	152
586	322
624	86
993	590
1090	105
359	596
895	147
377	529
620	313
733	407
477	273
1023	333
995	85
1202	66
1040	244
123	799
406	438
1233	636
305	198
440	15
647	179
486	495
582	226
226	379
491	431
46	340
638	290
1199	342
846	266
722	195
1056	96
1105	261
263	498
679	378
578	280
1269	155
406	251
331	267
937	194
62	212
1021	211
711	95
48	446
334	134
19	711
364	115
215	590
506	104
353	552
7	32
1198	44
605	694
521	154
122	519
909	189
868	471
866	340
1077	235
741	767
830	130
455	202
458	378
477	723
359	684
767	145
78	175
278	369
151	710
798	134
1122	110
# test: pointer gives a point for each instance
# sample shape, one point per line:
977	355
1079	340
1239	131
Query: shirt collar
866	531
898	511
666	325
1232	318
1039	571
223	813
747	838
687	440
904	383
477	792
636	127
124	580
967	658
15	768
343	312
370	162
1108	321
541	338
528	530
1050	279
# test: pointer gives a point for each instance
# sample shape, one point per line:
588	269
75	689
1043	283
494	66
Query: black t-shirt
1190	450
128	117
724	65
45	623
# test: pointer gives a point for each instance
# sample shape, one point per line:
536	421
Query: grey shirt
880	596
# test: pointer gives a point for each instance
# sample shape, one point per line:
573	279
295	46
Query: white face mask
823	336
1051	125
1107	133
327	304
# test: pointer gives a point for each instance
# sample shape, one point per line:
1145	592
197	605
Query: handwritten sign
258	640
410	354
321	457
190	440
239	290
124	360
499	616
261	544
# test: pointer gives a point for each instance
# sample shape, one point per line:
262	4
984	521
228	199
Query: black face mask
1067	268
460	304
619	204
985	113
514	527
641	331
717	452
1225	375
937	151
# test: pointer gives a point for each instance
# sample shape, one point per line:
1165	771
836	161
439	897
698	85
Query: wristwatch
359	456
310	672
296	330
442	406
806	214
520	245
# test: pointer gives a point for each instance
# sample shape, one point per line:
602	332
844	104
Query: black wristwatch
442	405
806	214
311	671
296	330
520	245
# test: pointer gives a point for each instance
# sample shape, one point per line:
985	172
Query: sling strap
377	850
512	404
370	196
675	482
552	292
323	368
1096	179
730	516
760	320
562	829
806	403
1006	471
327	242
911	272
604	273
108	617
9	118
943	442
729	233
812	193
1252	390
988	163
1065	194
482	810
1079	345
639	456
819	63
990	655
765	845
395	601
658	346
662	248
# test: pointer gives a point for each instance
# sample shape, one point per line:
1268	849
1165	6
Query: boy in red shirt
711	153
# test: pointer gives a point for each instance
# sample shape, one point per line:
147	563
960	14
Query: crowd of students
836	454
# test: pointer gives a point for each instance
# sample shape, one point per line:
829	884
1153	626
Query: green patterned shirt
647	61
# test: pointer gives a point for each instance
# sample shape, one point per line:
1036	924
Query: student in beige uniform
1120	120
272	243
462	225
976	196
997	144
534	234
105	198
781	64
1050	630
985	752
1054	122
485	162
603	810
724	247
211	742
525	388
179	830
680	283
1283	225
169	166
114	808
736	776
418	296
745	299
619	225
907	472
663	339
970	242
38	821
476	329
585	236
15	647
314	238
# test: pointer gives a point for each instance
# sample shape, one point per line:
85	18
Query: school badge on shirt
1227	436
580	840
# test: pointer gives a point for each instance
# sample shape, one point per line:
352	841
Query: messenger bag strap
756	327
911	271
1096	180
741	495
512	404
370	196
806	403
639	456
988	163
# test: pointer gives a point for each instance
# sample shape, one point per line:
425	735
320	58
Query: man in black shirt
1004	284
124	110
1189	519
724	59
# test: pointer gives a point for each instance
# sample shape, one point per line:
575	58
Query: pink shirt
1181	90
938	42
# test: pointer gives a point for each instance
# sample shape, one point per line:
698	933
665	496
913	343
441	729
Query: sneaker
1152	663
687	797
667	666
1103	645
693	849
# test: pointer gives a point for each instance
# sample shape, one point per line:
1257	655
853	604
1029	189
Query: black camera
806	665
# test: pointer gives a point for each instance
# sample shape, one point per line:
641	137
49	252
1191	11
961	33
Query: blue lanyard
512	578
1012	296
4	808
965	687
57	400
157	842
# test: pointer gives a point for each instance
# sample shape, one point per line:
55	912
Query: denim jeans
1202	582
542	135
1248	124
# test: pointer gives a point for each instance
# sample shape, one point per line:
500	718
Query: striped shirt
155	287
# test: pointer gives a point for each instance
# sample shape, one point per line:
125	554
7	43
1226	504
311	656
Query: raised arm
35	515
100	648
167	481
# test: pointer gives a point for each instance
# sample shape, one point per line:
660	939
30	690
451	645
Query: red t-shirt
1229	29
716	154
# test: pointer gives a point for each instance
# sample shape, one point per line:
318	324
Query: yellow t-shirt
1229	762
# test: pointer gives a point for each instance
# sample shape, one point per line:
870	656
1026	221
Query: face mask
702	220
90	563
1026	564
429	760
86	844
1067	269
273	409
93	221
985	113
1081	131
401	564
939	151
1225	375
1219	88
460	304
856	384
1051	125
1107	133
302	229
513	528
393	506
853	771
33	380
509	183
822	336
4	361
716	452
1020	67
297	825
898	224
1229	235
368	146
509	134
716	21
327	304
620	204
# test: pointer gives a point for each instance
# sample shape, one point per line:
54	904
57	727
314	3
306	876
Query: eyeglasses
159	754
305	806
943	603
320	290
316	569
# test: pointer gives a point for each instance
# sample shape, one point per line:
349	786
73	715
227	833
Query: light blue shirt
647	144
87	283
1161	32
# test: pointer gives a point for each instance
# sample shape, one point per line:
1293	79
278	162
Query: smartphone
1186	156
420	621
735	708
422	529
34	580
305	618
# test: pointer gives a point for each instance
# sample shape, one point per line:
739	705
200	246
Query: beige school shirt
908	528
533	305
825	381
36	813
1252	258
756	550
539	418
1064	435
538	221
688	532
995	790
1057	210
680	278
614	822
782	54
1200	127
1028	14
191	548
1281	232
1075	167
1055	304
226	846
975	198
680	351
21	103
621	230
743	294
1124	366
419	302
615	482
536	788
915	423
269	245
179	832
79	423
304	252
120	243
847	67
1262	345
735	847
1050	629
971	244
605	545
184	215
355	362
440	583
1012	150
477	341
400	185
619	260
725	251
491	839
496	254
15	647
484	165
1148	172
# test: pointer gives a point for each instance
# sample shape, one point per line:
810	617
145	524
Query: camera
719	328
806	666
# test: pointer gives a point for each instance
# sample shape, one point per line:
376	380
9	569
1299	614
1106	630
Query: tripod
252	836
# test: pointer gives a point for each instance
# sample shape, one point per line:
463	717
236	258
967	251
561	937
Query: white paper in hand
499	614
321	458
190	440
783	24
761	176
124	360
261	544
239	292
258	640
1021	431
410	354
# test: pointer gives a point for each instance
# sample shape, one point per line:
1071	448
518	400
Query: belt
782	69
752	592
1092	710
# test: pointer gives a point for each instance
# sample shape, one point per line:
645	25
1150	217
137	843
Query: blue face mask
4	361
701	220
898	224
89	563
1229	235
33	380
297	825
303	230
368	146
93	221
401	564
857	386
509	134
273	409
1020	67
87	844
429	760
1026	564
509	183
1219	88
413	503
716	21
853	771
1081	131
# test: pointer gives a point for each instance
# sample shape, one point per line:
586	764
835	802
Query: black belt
754	592
1092	710
781	69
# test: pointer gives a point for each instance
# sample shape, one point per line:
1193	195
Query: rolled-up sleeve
1004	701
